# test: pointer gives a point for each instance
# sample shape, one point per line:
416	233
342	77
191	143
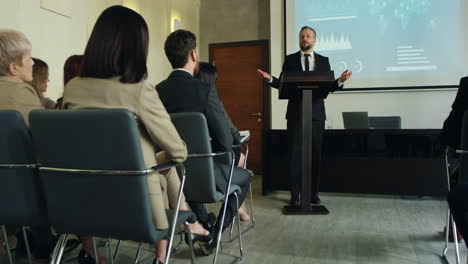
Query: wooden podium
307	81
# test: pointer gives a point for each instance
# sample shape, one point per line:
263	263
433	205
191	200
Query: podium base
305	210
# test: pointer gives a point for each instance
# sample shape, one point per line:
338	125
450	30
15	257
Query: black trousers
241	178
295	154
458	203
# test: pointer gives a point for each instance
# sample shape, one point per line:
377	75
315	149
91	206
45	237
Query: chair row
82	172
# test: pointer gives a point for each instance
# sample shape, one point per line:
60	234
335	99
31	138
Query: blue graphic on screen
385	38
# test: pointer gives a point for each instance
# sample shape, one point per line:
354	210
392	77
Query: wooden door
242	92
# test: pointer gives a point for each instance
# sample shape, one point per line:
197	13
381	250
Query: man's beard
305	48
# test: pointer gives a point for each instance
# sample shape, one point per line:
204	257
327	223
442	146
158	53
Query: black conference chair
95	179
461	177
22	201
201	186
449	219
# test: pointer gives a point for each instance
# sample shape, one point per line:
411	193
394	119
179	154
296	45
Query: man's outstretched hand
345	76
264	75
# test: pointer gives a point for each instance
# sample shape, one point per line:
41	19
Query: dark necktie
307	62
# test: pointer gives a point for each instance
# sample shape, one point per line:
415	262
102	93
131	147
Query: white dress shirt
311	61
311	66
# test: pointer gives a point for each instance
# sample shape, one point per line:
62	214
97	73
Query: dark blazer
292	63
181	92
451	132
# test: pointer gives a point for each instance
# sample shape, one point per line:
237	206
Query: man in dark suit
305	60
181	92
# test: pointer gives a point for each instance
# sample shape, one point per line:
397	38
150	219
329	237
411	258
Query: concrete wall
232	21
55	37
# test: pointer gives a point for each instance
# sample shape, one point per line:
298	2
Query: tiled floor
359	229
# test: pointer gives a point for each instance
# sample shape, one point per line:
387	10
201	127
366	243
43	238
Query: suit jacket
18	96
451	132
155	127
292	63
181	92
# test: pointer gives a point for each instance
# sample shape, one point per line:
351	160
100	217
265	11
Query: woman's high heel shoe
197	238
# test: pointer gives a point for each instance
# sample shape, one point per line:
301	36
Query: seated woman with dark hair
40	82
71	69
114	76
209	74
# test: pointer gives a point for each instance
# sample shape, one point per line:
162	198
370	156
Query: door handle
257	114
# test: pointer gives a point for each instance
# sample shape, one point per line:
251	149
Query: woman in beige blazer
114	76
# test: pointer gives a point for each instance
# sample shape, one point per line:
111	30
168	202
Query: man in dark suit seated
181	92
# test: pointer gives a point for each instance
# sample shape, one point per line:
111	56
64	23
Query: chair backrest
108	205
355	120
200	183
385	122
22	202
463	176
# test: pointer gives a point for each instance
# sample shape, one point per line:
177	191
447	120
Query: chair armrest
98	172
166	166
18	166
461	151
206	155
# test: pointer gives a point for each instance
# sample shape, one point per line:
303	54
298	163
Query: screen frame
386	88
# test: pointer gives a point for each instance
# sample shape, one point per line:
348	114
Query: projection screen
387	44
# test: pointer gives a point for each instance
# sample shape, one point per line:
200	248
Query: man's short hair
13	45
178	46
307	27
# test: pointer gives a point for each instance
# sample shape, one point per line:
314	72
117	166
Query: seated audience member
71	69
40	82
451	132
209	74
114	75
16	70
181	92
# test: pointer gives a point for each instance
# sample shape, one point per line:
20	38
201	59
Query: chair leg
26	242
252	219
109	250
176	214
58	250
137	257
231	228
241	247
5	236
220	232
96	258
455	240
447	225
251	205
192	251
223	216
116	249
179	244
